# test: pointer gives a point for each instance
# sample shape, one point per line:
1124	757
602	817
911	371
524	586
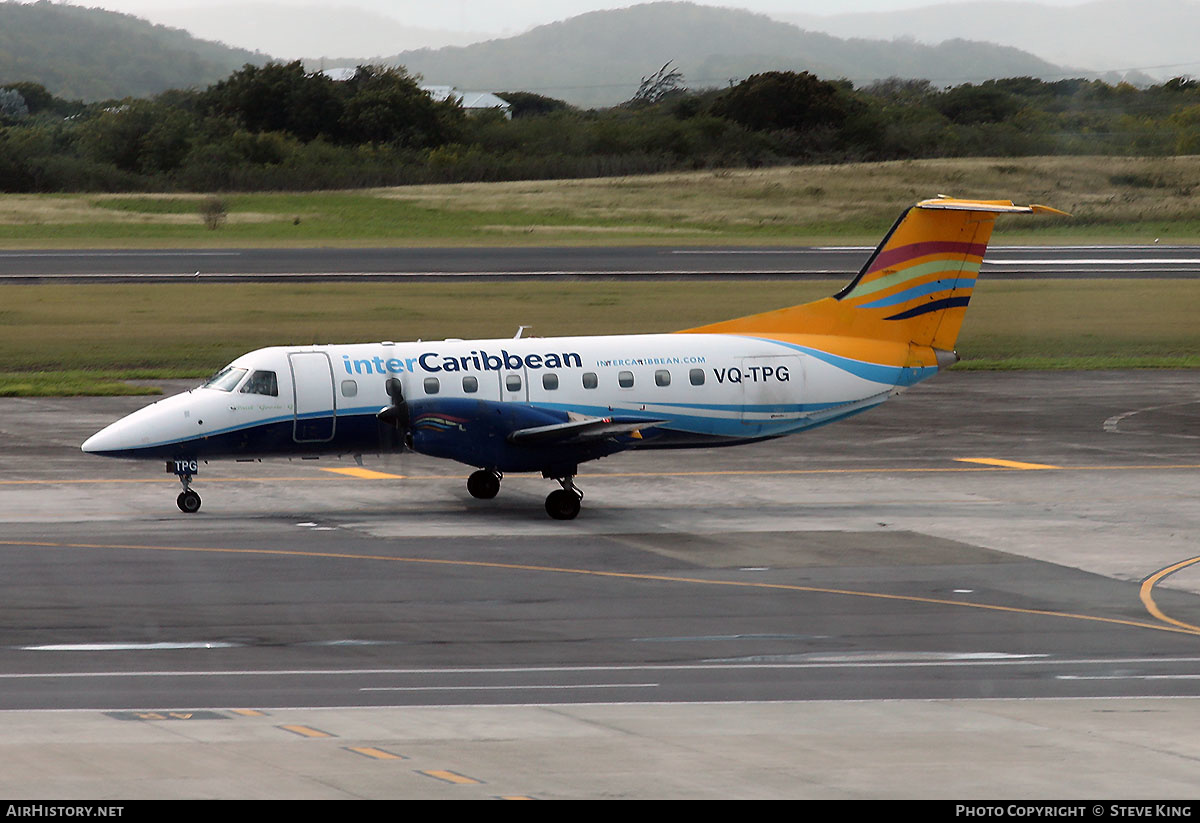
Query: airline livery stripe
940	267
936	305
894	257
875	372
920	291
721	421
771	408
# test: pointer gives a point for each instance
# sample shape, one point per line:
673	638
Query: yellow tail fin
913	291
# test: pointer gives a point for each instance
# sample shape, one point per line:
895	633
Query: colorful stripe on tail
912	293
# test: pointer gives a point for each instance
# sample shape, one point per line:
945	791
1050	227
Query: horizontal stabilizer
995	206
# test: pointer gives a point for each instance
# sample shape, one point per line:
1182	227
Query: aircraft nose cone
158	425
102	441
130	432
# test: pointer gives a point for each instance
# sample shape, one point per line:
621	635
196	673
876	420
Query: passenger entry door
315	411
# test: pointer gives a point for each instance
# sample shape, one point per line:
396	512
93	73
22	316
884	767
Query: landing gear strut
484	484
563	504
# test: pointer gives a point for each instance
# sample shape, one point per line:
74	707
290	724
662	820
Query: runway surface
110	265
983	589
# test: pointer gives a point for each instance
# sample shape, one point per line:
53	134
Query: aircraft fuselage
691	390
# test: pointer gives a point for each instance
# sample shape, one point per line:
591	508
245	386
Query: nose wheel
187	501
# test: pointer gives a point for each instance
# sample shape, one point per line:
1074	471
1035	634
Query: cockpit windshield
262	382
226	379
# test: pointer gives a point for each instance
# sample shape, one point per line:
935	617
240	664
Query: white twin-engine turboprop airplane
548	404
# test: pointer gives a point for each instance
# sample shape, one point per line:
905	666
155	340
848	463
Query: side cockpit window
262	382
226	379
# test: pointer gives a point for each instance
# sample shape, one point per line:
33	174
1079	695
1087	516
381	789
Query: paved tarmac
981	589
644	262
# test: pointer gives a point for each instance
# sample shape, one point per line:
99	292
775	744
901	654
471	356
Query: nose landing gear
187	501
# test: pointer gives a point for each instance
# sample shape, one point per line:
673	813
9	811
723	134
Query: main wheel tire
483	484
188	502
562	504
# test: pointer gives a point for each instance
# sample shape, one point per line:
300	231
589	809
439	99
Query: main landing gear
484	484
561	504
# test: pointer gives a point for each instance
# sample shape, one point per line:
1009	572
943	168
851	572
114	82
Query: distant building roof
471	101
483	100
339	74
440	93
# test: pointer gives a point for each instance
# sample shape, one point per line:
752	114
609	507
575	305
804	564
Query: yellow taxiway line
1147	593
366	474
1007	464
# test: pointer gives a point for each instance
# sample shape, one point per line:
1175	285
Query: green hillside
598	59
92	54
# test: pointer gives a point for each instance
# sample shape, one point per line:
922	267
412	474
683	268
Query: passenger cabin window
662	377
226	379
696	376
549	382
262	382
470	384
349	388
589	380
513	382
625	379
432	386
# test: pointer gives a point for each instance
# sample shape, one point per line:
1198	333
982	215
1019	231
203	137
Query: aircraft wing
578	429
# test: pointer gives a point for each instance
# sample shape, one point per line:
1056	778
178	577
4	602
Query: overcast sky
513	16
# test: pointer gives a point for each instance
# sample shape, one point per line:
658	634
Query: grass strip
1095	363
88	339
85	382
1111	199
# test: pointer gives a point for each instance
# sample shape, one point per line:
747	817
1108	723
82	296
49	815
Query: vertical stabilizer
914	289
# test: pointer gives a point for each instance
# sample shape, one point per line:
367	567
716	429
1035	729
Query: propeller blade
396	414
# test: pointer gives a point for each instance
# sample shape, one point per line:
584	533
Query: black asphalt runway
521	263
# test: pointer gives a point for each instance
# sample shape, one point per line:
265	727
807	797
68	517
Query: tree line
280	127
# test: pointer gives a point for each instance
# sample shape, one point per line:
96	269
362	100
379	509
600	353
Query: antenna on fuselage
520	331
